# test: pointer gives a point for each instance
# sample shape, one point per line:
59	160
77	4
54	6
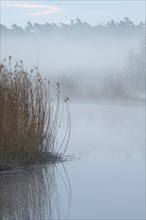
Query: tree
17	29
136	68
29	27
126	23
3	28
111	24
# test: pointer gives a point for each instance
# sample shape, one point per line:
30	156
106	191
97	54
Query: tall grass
29	117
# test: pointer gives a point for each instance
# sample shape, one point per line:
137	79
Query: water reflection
32	193
115	129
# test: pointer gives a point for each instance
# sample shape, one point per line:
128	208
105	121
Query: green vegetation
29	118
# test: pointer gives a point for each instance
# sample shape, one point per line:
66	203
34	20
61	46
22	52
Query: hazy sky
94	12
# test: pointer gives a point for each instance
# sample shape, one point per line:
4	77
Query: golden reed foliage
28	117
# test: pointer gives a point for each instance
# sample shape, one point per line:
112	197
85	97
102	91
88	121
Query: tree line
75	25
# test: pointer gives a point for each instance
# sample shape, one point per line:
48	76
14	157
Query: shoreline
44	159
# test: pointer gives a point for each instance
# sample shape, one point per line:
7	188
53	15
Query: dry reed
29	117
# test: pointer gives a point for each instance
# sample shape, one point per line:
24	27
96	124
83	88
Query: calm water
106	180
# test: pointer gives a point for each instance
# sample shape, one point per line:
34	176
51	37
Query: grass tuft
29	117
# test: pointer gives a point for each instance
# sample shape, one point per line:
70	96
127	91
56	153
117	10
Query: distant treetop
76	25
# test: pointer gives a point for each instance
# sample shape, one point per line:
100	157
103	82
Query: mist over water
101	69
82	57
58	55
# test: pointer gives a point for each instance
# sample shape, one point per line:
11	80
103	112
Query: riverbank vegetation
29	118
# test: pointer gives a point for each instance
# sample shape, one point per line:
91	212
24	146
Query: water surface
108	181
105	181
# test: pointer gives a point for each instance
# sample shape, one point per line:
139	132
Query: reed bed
29	117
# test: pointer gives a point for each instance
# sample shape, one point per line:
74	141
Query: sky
93	12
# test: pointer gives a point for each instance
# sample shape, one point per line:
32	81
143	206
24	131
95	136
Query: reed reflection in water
32	193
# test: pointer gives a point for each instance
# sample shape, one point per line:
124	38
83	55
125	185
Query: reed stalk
29	117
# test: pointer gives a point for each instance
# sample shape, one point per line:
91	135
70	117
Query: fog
80	54
66	55
102	70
